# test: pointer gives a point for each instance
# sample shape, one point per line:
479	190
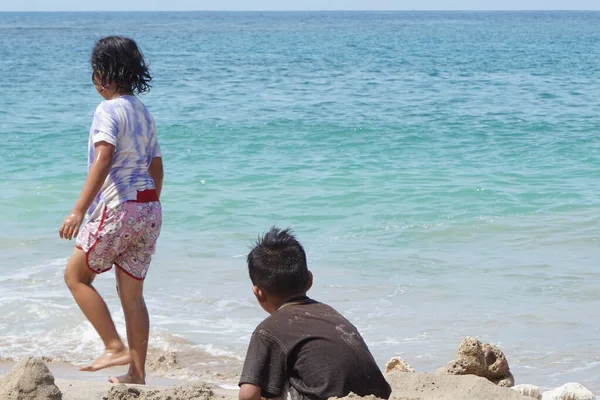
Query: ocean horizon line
310	10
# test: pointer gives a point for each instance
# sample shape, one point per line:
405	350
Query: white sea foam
28	272
217	352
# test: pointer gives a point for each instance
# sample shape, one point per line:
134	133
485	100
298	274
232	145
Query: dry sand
35	378
406	386
30	379
425	386
76	385
82	390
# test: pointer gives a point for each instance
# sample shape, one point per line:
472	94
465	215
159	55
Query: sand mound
424	386
187	392
29	379
123	392
398	364
485	360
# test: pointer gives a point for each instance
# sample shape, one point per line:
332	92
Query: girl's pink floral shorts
124	236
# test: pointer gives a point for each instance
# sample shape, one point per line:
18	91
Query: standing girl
121	197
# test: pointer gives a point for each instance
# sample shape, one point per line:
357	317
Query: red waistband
146	196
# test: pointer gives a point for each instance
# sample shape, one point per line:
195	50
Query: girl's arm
156	172
103	155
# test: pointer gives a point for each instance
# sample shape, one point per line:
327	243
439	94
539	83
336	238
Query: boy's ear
310	281
259	294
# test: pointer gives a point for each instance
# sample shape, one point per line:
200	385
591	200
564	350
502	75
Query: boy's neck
282	302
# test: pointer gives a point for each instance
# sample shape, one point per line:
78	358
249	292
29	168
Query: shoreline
163	368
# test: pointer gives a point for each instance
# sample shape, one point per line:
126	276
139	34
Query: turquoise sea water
441	170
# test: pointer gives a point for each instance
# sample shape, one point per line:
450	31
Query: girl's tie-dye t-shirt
126	123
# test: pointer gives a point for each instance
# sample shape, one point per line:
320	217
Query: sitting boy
304	349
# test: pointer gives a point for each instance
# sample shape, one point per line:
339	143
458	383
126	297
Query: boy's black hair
118	59
277	264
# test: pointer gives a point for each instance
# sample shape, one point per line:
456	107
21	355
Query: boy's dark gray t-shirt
311	350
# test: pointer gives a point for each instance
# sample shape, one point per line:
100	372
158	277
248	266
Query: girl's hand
70	226
103	153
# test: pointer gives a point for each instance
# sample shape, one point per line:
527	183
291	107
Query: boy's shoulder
296	318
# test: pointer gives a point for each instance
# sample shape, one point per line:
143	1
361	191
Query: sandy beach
79	386
85	390
406	386
34	379
75	385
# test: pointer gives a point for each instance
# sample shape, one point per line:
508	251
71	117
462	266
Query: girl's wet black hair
118	59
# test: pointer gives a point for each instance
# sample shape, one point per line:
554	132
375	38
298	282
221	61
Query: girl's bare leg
137	322
79	281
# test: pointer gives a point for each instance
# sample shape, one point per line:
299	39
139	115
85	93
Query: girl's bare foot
110	358
129	379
